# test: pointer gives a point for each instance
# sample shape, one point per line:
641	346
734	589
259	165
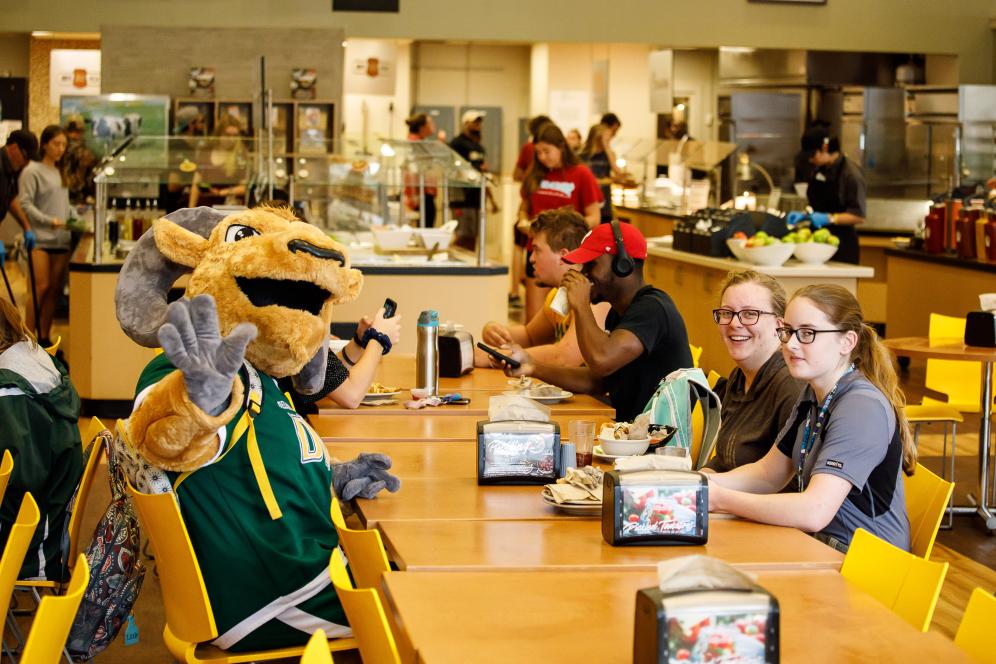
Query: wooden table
398	370
405	426
418	459
578	545
580	404
955	349
576	617
459	499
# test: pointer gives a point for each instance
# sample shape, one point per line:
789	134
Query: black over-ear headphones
622	263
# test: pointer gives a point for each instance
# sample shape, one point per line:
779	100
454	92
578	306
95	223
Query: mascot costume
253	480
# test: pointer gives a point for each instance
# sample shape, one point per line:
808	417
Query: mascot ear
350	284
178	244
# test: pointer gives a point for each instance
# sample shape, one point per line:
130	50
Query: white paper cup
559	303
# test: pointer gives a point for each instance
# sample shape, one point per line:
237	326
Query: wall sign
370	67
390	6
73	72
661	65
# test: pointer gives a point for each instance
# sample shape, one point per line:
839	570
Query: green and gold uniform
267	578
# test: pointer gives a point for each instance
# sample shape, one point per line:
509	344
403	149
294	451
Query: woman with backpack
40	411
759	395
846	442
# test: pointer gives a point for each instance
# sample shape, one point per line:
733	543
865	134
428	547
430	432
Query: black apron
826	195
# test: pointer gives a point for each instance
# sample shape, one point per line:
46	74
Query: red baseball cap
600	241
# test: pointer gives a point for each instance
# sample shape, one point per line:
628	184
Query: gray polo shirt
861	444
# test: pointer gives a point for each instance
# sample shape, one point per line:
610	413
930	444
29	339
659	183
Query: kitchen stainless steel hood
760	67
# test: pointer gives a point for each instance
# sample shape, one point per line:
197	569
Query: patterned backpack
673	403
116	568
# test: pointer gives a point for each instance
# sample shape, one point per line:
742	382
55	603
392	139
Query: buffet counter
652	222
105	364
693	283
920	284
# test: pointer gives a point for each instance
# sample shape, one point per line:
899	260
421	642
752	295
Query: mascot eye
238	232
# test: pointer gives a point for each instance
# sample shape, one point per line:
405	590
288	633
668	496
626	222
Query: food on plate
635	430
377	388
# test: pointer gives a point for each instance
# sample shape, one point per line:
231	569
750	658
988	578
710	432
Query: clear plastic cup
583	436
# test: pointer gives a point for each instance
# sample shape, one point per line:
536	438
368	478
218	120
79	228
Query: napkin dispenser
518	452
707	625
655	508
980	329
456	352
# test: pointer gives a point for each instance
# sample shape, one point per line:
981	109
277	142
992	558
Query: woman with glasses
846	442
759	395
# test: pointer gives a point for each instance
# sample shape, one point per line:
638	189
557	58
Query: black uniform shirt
840	187
473	152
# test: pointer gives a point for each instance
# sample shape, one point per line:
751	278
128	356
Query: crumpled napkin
580	485
652	462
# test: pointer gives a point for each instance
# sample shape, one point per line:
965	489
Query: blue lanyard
812	431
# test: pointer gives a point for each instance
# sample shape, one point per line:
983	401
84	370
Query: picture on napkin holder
518	452
655	508
709	625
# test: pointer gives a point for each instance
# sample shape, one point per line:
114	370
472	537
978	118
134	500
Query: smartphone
498	356
390	306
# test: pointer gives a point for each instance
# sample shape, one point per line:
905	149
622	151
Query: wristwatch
379	337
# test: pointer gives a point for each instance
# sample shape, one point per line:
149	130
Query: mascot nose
318	252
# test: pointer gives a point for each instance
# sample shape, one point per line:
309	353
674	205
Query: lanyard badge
813	431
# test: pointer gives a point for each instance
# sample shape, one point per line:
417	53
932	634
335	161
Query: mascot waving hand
254	482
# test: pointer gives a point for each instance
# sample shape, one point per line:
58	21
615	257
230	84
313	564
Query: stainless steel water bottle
427	352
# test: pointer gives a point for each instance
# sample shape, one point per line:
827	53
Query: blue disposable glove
819	219
795	217
3	253
29	240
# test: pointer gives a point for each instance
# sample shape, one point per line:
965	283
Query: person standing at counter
21	148
549	336
847	443
556	179
644	337
468	210
44	197
595	154
420	128
836	191
758	397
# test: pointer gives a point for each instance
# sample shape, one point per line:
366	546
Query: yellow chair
54	348
317	650
698	433
713	379
903	582
975	633
6	468
366	616
55	616
696	354
949	376
364	550
927	498
190	621
17	545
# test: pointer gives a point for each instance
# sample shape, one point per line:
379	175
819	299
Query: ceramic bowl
814	253
624	447
771	255
392	238
431	236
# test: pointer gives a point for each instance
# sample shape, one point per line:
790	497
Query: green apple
833	241
804	234
821	236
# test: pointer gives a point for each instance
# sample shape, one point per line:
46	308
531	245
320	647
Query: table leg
984	444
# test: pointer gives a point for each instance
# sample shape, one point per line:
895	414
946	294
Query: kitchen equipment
427	353
456	351
655	507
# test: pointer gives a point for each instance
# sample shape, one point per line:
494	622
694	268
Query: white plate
379	396
599	453
586	509
556	398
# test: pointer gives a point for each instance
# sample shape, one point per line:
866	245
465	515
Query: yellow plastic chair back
903	582
317	650
696	354
957	379
364	549
54	348
94	427
975	633
185	600
927	497
713	379
17	545
698	432
6	468
50	628
366	616
86	484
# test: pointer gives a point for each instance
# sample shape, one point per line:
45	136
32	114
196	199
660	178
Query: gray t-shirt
44	198
859	443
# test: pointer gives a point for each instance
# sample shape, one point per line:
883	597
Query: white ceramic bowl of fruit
737	245
763	249
813	247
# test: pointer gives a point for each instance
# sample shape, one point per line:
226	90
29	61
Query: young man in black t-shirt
644	337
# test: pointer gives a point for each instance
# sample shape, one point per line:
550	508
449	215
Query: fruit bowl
771	255
814	253
737	247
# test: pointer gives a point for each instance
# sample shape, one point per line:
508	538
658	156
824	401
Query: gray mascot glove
192	342
364	476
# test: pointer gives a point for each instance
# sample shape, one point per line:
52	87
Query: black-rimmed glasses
746	316
805	335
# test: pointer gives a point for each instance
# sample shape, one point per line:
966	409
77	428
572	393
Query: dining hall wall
960	28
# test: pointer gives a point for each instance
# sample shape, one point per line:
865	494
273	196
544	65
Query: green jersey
267	578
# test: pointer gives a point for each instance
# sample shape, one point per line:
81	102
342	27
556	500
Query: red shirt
526	156
411	184
574	186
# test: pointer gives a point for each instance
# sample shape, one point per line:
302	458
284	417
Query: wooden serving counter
693	283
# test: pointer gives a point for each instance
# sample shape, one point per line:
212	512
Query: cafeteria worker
836	191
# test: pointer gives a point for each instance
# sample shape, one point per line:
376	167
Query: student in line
759	395
847	442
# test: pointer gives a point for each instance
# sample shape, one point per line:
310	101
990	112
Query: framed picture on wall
280	120
314	127
204	110
239	112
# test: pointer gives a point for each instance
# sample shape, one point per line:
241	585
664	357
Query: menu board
697	637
